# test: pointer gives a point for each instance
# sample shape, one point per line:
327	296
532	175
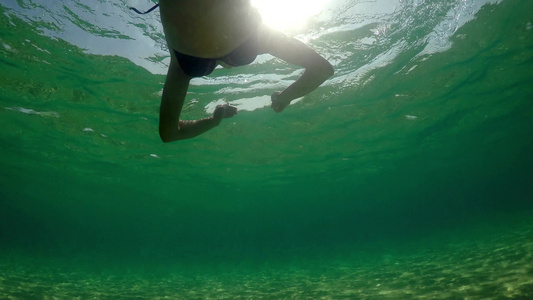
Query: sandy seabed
495	267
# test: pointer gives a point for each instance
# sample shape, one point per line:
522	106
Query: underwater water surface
407	175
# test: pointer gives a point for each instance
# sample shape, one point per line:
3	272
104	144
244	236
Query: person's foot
278	105
225	111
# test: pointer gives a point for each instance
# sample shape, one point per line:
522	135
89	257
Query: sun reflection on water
284	15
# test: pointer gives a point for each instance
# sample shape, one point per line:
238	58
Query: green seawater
408	175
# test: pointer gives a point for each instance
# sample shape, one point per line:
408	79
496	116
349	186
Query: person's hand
224	111
278	105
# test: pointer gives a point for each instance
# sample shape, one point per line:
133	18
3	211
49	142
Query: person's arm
171	128
317	68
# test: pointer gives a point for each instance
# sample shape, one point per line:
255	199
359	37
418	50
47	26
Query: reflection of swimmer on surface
202	34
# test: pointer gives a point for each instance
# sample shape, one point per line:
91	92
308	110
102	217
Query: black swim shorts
245	54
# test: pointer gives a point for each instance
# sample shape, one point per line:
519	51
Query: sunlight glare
287	14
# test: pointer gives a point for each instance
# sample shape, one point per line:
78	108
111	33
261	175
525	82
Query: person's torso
207	28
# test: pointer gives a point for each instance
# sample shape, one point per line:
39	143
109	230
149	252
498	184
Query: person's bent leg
171	128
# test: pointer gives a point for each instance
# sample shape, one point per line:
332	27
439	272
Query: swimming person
202	34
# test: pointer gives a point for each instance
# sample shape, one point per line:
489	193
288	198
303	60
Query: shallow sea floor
491	266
